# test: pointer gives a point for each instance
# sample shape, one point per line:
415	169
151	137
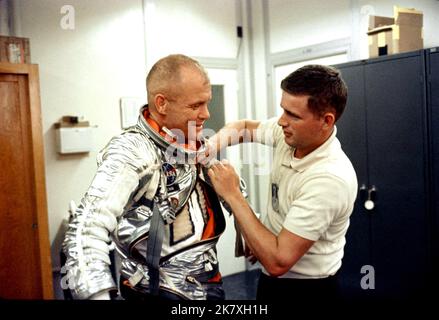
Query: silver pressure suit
141	174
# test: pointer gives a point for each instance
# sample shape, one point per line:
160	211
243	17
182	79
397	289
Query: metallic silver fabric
179	273
118	207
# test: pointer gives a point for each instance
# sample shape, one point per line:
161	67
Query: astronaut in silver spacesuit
152	199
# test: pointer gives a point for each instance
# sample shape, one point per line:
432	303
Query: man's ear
328	120
161	103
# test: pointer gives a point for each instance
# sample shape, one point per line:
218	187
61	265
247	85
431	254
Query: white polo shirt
315	198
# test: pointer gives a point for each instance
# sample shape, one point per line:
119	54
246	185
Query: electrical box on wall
74	140
73	136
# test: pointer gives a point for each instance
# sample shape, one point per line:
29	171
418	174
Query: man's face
302	128
188	110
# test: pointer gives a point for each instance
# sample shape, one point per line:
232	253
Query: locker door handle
363	190
369	204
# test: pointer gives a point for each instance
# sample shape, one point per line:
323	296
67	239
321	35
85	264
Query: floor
241	286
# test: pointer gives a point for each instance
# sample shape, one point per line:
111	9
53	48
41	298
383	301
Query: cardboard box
378	21
71	122
405	34
14	50
408	17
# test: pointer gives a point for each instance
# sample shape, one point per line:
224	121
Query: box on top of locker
401	33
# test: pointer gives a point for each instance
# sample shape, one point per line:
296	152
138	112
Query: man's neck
156	118
299	154
170	136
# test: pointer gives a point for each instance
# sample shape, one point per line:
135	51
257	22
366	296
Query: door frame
32	73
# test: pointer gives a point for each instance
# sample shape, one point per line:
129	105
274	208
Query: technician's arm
235	132
276	253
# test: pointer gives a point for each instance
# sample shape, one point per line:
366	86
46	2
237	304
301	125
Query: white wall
300	23
4	18
193	27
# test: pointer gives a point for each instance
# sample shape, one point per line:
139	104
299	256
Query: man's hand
224	179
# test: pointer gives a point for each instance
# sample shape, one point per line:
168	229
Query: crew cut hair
164	76
323	84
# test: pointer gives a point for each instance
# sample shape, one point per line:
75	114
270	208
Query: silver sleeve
86	244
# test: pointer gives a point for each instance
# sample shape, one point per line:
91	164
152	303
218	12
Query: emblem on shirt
274	197
170	173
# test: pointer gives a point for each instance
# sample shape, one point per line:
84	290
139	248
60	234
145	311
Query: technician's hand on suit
224	179
228	185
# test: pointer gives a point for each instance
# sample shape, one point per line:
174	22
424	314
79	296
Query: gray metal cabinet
432	56
385	133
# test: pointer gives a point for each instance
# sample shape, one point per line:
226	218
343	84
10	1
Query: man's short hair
323	84
164	75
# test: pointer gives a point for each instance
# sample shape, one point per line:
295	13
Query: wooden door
25	268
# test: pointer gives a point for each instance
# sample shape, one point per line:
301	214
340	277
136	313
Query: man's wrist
234	198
